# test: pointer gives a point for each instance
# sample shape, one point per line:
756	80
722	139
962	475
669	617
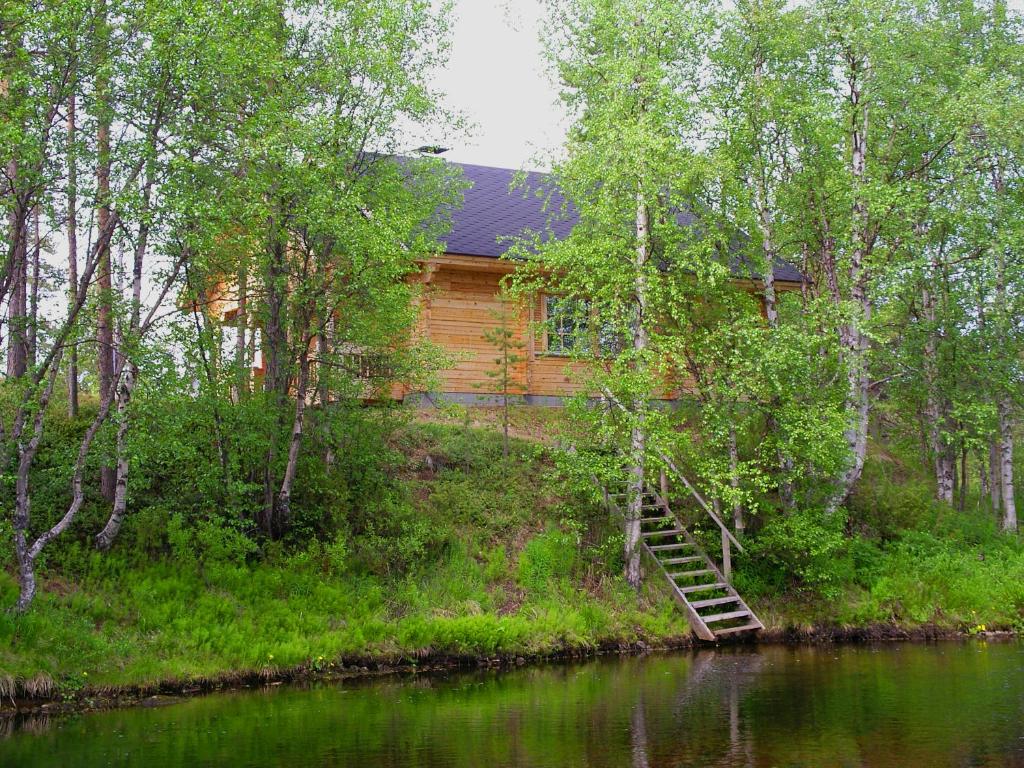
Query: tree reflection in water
900	706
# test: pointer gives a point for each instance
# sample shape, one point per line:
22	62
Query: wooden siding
458	302
461	303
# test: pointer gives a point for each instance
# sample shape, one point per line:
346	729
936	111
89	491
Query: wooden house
462	296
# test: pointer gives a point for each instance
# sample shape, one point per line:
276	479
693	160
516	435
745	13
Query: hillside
469	555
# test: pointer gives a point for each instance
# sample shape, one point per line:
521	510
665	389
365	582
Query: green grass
474	556
157	623
895	557
499	567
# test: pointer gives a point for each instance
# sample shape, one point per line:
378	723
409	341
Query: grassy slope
508	569
509	565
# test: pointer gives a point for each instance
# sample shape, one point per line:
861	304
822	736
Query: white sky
496	78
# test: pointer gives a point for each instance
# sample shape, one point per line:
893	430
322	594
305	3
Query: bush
208	542
807	545
397	538
545	559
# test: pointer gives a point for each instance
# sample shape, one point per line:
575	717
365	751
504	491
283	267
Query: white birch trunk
995	482
72	235
638	436
853	338
1006	465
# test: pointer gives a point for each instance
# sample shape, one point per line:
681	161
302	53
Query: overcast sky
496	78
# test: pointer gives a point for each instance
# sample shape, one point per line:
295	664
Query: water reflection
899	706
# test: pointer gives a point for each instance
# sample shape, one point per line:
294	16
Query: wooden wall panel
464	305
461	303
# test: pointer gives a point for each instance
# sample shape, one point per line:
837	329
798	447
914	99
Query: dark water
896	705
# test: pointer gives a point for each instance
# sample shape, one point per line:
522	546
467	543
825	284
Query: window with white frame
567	324
573	326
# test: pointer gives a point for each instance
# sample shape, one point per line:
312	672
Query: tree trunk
1004	403
638	435
734	483
936	410
219	437
853	339
17	308
72	235
995	475
275	380
127	386
284	496
982	478
1006	465
16	256
104	315
22	500
505	416
766	225
32	334
106	537
28	555
962	505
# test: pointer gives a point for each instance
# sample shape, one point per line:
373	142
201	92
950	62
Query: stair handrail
675	470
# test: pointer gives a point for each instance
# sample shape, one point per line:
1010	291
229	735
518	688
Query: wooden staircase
713	607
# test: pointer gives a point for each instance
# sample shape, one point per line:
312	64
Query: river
899	705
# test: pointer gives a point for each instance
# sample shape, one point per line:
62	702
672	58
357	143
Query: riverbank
165	692
467	558
883	705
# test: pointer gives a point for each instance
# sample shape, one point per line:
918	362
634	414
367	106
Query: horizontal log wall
461	304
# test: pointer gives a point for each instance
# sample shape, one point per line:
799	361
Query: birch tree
628	73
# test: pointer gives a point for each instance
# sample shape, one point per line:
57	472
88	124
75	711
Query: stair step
664	533
681	560
715	601
679	549
702	587
700	572
731	630
724	616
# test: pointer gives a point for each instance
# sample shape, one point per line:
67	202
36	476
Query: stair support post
726	558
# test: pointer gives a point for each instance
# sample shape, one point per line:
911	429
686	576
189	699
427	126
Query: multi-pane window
610	342
568	325
573	327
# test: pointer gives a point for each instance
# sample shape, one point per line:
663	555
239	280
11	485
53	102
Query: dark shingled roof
492	212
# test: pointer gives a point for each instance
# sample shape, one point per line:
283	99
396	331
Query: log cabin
462	296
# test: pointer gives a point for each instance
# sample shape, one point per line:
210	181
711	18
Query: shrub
808	545
546	558
208	542
397	538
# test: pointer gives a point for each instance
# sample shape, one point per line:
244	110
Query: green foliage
805	549
546	560
208	542
186	596
397	537
886	503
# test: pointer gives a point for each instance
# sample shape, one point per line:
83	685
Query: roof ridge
498	168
